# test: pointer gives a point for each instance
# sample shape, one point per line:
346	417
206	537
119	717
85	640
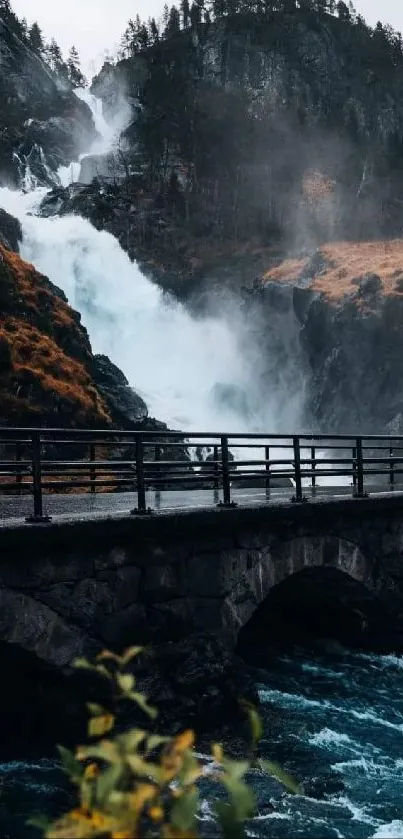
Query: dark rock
124	402
369	285
10	231
322	786
197	682
315	266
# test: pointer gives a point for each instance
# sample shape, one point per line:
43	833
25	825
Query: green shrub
139	784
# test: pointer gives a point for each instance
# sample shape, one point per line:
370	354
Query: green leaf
242	798
125	681
189	766
236	768
41	822
107	781
154	741
142	703
254	721
96	710
71	765
131	739
83	664
276	771
183	813
231	828
100	668
106	750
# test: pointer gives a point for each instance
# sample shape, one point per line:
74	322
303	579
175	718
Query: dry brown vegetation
44	352
345	263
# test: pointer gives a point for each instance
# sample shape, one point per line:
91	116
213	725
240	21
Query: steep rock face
348	298
45	354
115	388
10	231
36	112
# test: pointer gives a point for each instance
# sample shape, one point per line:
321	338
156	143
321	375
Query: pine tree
144	39
173	25
195	15
56	62
153	29
342	11
76	77
165	18
35	39
184	7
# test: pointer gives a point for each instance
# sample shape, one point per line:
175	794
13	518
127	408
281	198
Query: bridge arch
261	570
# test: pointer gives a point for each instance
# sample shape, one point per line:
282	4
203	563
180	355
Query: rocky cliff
39	115
347	301
249	115
46	363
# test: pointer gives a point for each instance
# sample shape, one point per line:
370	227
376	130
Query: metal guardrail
39	461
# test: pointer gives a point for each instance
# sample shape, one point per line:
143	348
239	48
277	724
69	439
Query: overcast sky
95	26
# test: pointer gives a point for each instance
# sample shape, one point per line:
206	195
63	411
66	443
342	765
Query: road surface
18	507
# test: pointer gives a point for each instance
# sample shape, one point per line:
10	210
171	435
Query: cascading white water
175	361
108	134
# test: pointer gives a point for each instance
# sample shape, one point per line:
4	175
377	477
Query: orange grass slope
45	354
343	264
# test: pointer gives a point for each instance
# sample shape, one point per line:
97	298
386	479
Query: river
335	723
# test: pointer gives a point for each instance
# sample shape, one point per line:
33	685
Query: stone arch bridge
72	586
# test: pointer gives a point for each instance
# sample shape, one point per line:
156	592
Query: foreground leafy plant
140	784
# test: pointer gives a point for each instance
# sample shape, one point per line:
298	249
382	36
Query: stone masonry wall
74	586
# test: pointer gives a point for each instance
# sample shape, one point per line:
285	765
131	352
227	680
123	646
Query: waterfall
198	373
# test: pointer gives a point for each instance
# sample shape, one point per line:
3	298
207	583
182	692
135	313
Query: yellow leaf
106	655
218	752
143	793
91	771
100	725
156	813
130	653
184	741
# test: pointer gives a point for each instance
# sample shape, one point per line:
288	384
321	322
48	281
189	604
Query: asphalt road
17	507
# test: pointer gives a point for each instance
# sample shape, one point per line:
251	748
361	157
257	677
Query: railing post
157	458
313	466
391	469
354	454
18	458
267	468
141	487
359	492
93	472
298	497
38	517
216	479
226	483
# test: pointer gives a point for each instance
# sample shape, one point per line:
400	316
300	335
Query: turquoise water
337	724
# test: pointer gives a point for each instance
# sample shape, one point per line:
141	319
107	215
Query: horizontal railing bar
47	433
